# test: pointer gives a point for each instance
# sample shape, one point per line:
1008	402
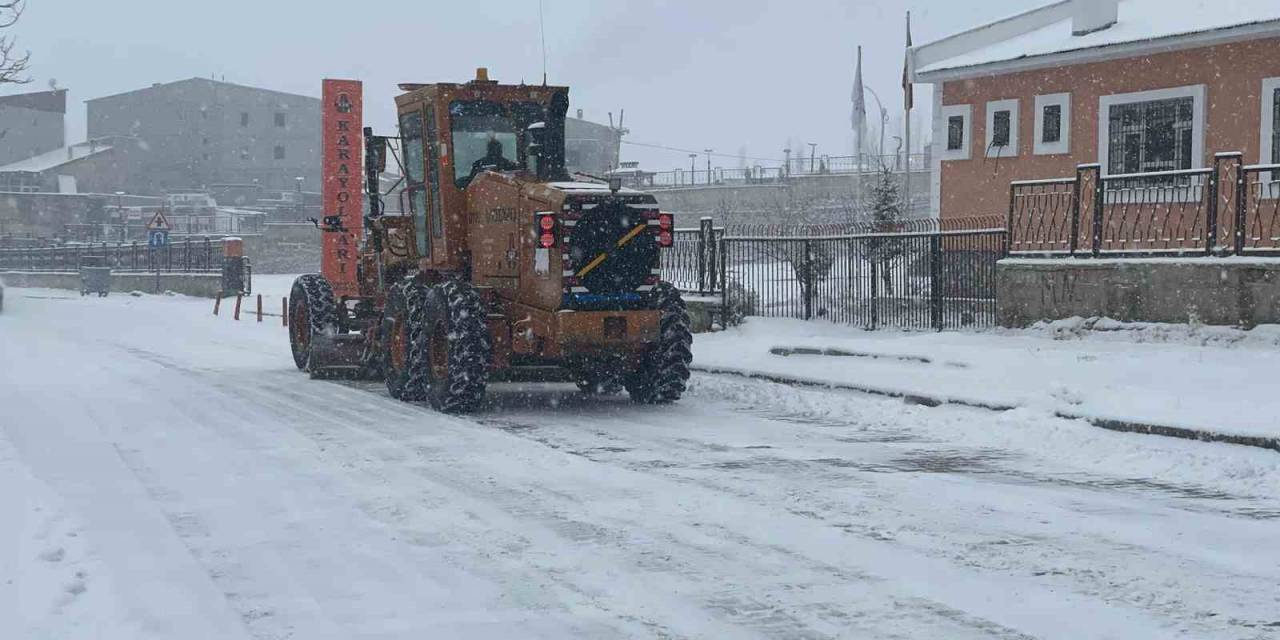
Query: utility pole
813	154
708	152
786	168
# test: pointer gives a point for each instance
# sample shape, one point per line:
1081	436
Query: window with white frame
1053	124
1270	149
1002	128
1161	130
955	123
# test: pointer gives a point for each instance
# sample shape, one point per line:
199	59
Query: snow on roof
1138	21
57	157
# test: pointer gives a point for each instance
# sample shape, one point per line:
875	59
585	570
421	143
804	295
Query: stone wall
1217	291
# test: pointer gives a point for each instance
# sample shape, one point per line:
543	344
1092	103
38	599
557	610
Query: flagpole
857	149
907	100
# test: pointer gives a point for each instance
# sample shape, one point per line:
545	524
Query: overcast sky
724	74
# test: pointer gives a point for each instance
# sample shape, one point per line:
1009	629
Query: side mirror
375	150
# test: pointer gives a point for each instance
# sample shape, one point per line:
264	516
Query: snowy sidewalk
1204	379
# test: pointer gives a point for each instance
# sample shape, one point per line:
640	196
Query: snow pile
1204	378
1095	328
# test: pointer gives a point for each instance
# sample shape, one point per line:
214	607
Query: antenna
542	33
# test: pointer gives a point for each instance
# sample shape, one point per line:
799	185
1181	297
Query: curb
1126	426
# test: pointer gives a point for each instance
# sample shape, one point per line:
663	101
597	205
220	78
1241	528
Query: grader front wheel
312	312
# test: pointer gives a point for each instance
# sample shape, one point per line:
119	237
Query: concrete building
201	132
1135	85
96	166
31	124
591	147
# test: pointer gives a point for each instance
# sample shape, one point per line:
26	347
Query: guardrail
760	175
184	256
1227	209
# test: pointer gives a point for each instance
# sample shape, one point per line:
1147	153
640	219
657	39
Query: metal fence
931	280
693	261
1226	209
797	166
183	256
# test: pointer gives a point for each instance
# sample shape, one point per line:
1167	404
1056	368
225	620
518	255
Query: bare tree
13	65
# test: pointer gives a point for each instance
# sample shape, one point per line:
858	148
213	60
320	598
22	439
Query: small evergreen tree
885	204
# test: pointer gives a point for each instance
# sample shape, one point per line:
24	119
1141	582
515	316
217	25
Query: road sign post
157	239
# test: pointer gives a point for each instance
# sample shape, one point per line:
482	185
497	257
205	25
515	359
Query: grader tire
664	371
313	310
404	366
454	338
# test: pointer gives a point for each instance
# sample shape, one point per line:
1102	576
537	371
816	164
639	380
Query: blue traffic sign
157	238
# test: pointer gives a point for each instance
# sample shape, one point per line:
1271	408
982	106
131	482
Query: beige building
1136	85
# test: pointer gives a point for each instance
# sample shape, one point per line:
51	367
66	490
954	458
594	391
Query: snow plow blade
337	356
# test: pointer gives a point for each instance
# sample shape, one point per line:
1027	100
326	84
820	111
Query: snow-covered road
167	474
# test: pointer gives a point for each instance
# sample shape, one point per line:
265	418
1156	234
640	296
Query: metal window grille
1000	129
1150	136
1052	123
1275	127
955	133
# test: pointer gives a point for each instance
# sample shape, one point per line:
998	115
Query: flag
859	118
908	97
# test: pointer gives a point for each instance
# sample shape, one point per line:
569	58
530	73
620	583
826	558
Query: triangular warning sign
159	222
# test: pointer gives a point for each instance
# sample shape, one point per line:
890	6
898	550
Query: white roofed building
1136	85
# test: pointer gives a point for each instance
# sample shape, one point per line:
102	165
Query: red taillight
665	220
664	239
546	222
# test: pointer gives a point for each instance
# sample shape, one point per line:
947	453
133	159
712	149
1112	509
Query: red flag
907	92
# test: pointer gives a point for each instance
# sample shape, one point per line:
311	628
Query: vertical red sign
341	179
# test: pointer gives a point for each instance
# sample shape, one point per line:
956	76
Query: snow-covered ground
165	473
1207	378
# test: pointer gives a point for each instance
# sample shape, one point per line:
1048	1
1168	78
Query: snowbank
1203	378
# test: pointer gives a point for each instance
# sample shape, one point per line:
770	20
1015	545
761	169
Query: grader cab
502	268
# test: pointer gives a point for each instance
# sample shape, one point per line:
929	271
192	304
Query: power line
701	153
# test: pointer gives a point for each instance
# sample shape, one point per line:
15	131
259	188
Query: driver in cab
493	160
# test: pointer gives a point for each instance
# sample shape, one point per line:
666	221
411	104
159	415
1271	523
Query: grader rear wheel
455	342
401	362
664	371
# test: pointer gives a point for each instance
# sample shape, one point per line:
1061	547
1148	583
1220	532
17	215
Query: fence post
1098	201
875	292
724	291
807	281
1073	243
1013	199
935	280
704	246
1242	207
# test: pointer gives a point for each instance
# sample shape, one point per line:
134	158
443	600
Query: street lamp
884	120
297	206
693	158
708	152
120	214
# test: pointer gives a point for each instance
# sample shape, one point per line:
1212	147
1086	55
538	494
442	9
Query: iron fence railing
1225	209
692	262
183	256
932	280
796	167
